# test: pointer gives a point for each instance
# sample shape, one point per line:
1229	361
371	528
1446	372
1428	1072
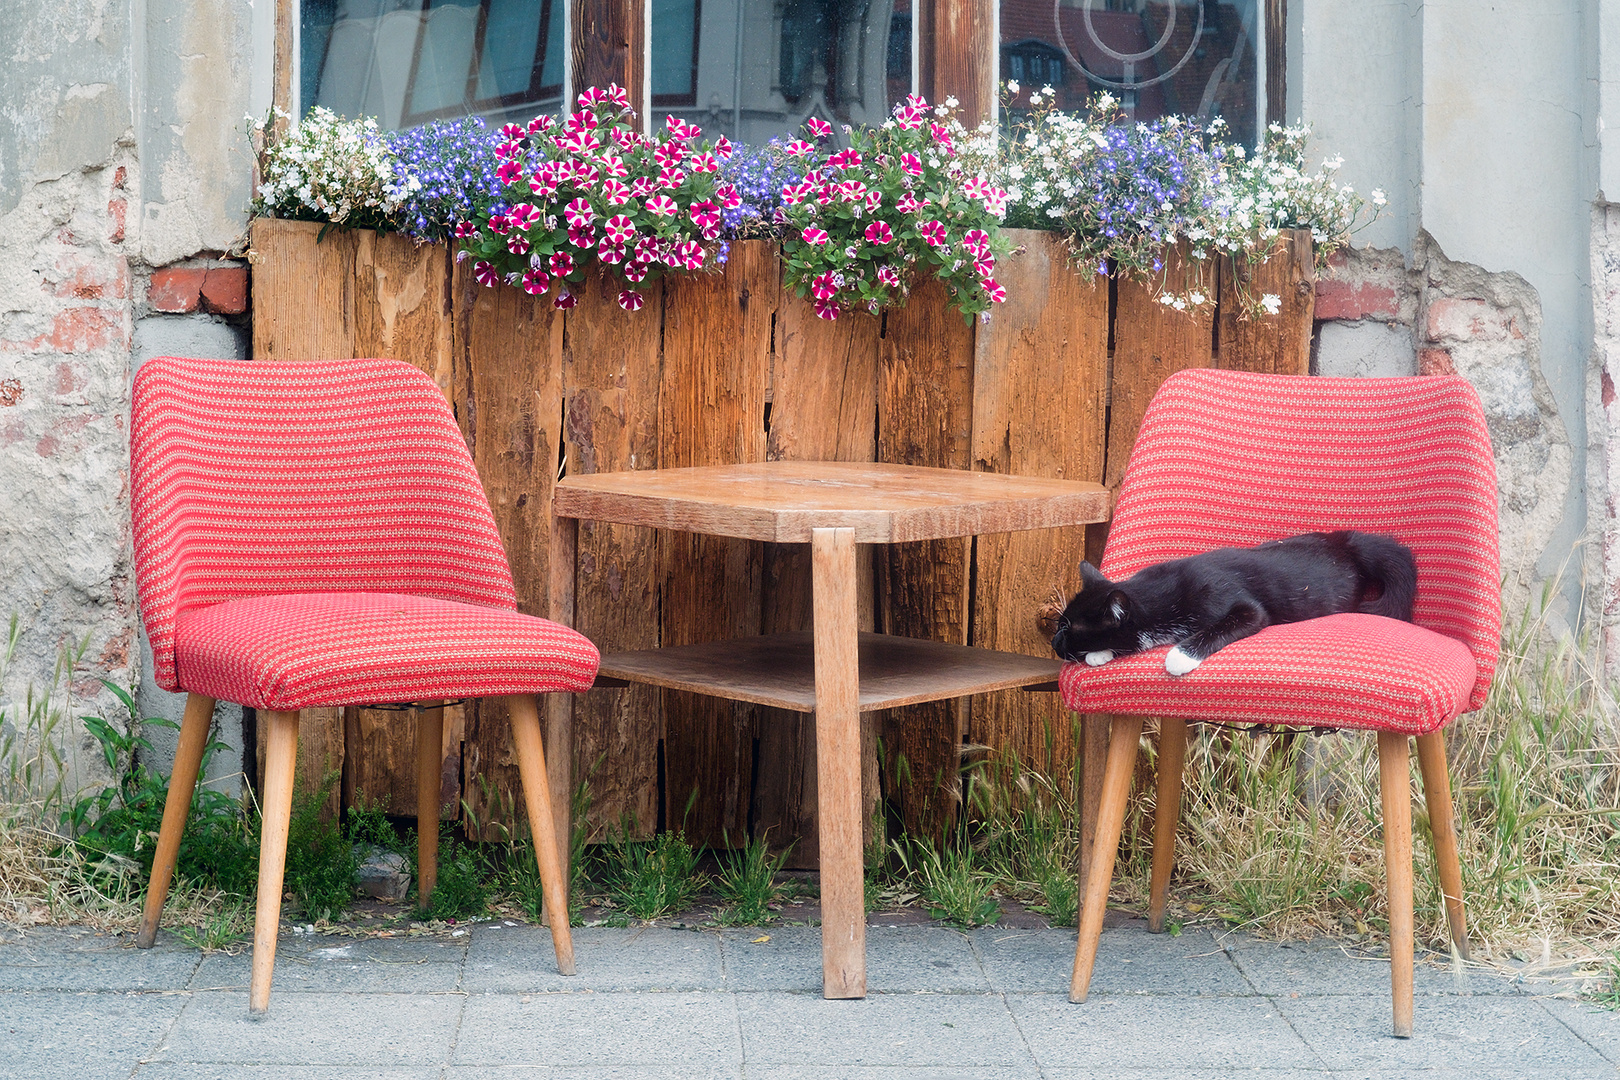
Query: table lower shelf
779	670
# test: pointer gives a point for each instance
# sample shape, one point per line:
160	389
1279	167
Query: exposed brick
11	391
1363	300
1435	362
117	209
1470	320
1608	390
93	281
82	329
176	289
224	290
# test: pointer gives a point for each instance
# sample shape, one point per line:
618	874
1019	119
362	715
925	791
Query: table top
783	501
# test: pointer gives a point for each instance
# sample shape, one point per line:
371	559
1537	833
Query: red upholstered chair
315	534
1235	459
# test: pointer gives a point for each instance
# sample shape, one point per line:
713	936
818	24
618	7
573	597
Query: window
1202	58
409	62
753	70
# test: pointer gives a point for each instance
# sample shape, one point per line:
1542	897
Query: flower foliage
594	190
759	173
1275	189
441	171
899	199
325	168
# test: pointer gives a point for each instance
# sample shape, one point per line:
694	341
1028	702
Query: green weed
747	883
321	864
951	887
220	929
463	889
647	879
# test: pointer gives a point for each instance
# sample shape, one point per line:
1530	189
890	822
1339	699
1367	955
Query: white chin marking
1098	659
1177	662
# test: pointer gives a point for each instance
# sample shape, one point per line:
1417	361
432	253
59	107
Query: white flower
1272	303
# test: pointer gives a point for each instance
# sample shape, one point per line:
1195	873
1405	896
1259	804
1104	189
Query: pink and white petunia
642	187
578	213
631	300
907	203
670	179
908	117
798	148
889	276
722	148
874	199
691	255
544	183
500	224
662	205
976	241
465	229
565	299
845	159
592	97
704	163
933	233
562	264
525	216
824	286
814	235
826	309
680	129
616	193
613	165
513	132
541	124
911	164
996	201
878	232
647	249
819	128
669	154
705	214
581	236
635	271
985	266
996	292
584	120
851	191
586	175
612	254
485	274
508	171
618	229
517	244
618	95
535	282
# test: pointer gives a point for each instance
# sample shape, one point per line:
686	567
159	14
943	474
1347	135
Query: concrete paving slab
334	965
165	1070
376	1030
115	968
1326	967
592	1072
520	959
1110	1033
1193	1074
60	1036
1129	961
691	1031
1598	1027
1481	1032
911	1030
908	959
890	1072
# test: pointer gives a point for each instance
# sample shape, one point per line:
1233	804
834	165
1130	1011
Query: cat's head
1098	619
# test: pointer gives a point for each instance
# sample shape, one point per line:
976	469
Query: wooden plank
610	394
1039	401
610	46
301	290
401	303
711	411
380	759
1279	344
823	408
1152	341
838	781
964	57
925	417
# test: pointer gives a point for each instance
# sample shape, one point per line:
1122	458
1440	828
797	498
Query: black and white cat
1205	602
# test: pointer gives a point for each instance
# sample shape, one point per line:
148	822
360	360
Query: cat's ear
1091	577
1119	606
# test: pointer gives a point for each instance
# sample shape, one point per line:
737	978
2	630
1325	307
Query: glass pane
409	61
1191	57
758	70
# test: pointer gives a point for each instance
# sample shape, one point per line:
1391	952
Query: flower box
729	368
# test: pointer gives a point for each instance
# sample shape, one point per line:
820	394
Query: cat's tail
1390	564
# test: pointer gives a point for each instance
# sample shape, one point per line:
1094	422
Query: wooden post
1279	344
610	46
962	55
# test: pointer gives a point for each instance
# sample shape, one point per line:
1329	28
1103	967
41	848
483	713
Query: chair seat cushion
295	650
1341	671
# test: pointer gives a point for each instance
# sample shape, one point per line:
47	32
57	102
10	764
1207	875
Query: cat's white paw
1099	658
1177	662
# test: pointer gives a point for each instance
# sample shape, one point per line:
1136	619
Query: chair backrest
256	477
1228	458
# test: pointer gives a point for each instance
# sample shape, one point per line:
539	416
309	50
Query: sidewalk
676	1004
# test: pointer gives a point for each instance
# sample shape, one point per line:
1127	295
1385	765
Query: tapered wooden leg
1442	822
838	763
1122	741
1166	815
531	759
194	726
429	762
275	803
1394	782
561	563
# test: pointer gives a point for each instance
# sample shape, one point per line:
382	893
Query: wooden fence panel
823	408
925	417
1281	343
711	409
1040	385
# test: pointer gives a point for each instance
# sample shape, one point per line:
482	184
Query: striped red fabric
293	651
254	479
1228	458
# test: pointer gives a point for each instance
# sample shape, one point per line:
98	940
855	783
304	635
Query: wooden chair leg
194	727
1442	822
1395	784
531	759
1127	730
429	759
275	803
1166	815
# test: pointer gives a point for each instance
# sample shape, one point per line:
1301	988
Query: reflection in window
753	70
409	61
1193	57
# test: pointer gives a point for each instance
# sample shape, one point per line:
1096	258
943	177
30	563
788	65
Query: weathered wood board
1279	344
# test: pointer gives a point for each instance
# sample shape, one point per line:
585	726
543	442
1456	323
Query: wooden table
836	672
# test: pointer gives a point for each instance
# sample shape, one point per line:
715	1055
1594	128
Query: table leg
838	763
559	741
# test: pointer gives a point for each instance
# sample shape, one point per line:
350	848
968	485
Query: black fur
1208	601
